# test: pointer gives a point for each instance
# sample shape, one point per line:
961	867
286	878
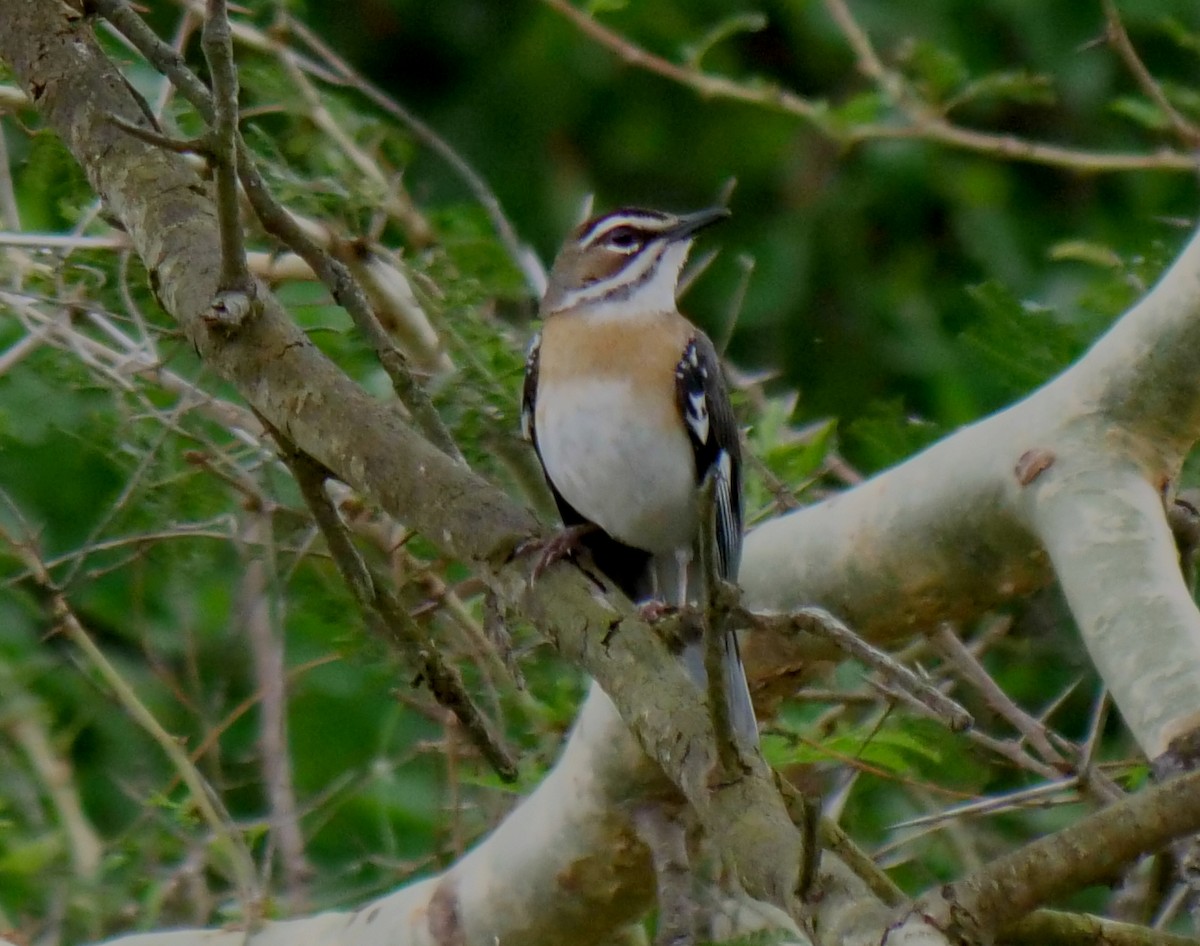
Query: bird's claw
563	544
655	610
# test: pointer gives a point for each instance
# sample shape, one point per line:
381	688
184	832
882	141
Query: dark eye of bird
624	239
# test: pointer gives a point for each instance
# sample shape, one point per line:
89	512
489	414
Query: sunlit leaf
1084	251
1140	111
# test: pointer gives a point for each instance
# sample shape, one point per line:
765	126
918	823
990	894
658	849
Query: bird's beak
689	225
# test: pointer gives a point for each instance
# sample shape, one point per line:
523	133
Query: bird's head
628	260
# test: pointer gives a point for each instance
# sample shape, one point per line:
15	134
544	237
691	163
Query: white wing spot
725	466
697	415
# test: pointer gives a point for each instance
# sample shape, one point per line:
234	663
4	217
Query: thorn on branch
154	137
823	624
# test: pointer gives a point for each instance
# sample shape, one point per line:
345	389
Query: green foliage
899	290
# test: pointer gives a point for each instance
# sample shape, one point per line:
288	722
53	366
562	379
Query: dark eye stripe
598	232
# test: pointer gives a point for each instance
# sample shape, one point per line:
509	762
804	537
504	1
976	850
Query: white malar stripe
640	267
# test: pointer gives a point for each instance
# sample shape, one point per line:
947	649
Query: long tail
666	576
642	576
741	709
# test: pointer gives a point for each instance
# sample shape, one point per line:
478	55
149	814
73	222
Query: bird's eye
625	239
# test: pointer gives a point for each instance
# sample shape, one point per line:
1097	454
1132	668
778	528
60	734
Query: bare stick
928	126
388	616
222	147
256	607
277	221
821	623
231	844
1118	38
964	663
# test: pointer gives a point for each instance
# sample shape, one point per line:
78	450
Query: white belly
616	470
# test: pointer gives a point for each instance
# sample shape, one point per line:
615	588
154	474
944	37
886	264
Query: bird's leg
683	558
563	544
654	610
657	607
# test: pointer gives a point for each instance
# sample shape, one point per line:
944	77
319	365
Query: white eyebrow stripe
605	225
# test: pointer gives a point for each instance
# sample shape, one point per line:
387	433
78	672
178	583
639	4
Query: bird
627	408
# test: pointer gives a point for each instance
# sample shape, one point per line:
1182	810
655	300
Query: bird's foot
655	610
563	544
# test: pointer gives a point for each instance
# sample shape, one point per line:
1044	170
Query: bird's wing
713	431
529	390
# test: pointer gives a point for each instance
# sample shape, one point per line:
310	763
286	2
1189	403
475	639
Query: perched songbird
626	406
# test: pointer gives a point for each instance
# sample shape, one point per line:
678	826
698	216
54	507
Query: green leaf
1140	112
863	109
1183	36
888	433
31	856
1018	345
1016	85
749	22
1085	251
937	71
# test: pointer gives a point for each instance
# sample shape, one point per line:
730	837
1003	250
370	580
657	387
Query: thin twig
151	136
389	617
232	845
821	623
1118	38
277	221
257	605
706	84
236	286
952	649
1039	796
930	126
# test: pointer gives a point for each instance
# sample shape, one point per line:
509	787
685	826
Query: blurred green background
900	288
863	256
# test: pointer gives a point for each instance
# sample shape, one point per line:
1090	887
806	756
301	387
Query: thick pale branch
1090	851
1116	559
967	523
